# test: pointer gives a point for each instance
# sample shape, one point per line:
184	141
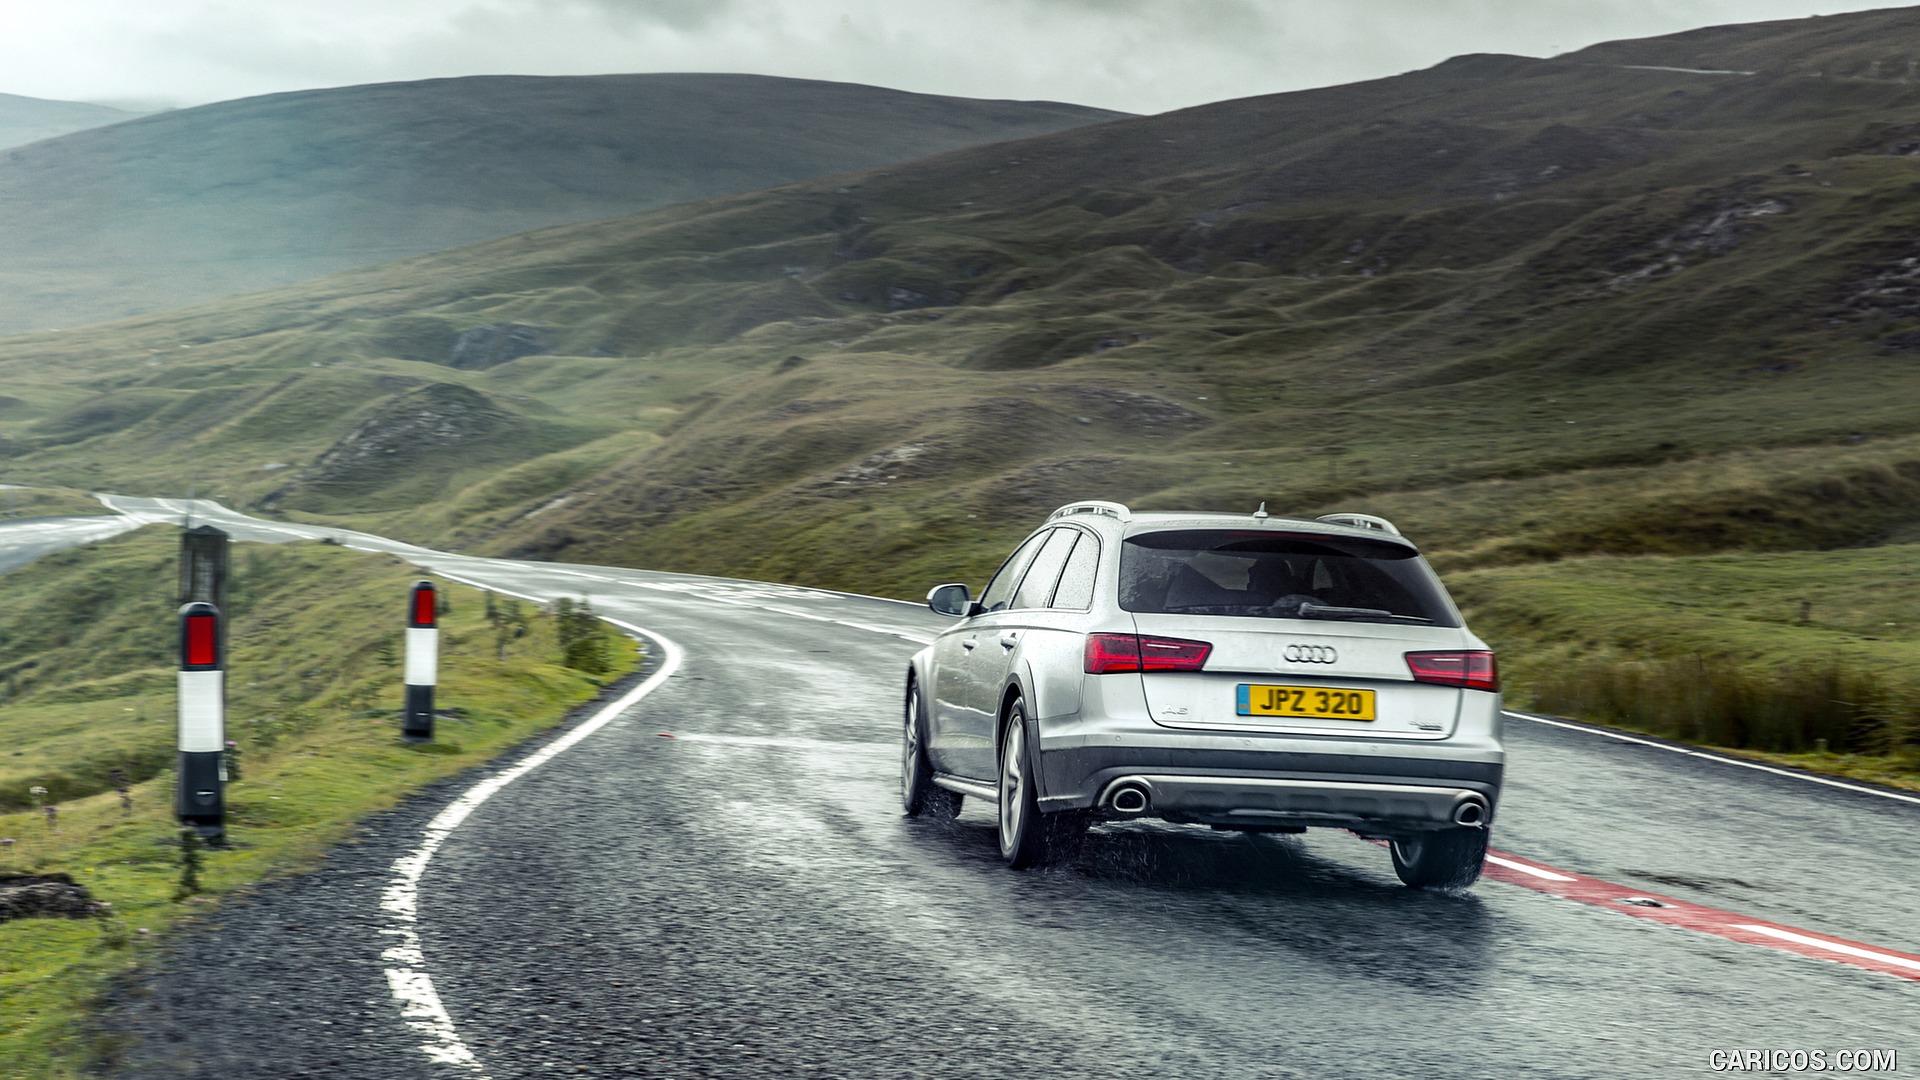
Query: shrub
1842	708
583	639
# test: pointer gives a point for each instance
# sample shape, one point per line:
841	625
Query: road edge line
1796	774
404	962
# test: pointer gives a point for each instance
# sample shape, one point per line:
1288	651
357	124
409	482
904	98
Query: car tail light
1110	654
1471	670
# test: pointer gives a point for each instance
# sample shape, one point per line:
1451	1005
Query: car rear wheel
1028	837
1447	859
918	793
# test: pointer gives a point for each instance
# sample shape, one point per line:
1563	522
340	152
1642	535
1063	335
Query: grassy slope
32	502
1531	309
1771	654
242	194
318	739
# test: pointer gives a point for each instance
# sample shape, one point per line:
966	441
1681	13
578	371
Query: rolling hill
27	119
1543	313
195	204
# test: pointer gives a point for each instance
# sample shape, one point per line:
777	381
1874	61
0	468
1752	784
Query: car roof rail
1361	521
1117	511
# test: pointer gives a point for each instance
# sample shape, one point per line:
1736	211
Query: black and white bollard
199	800
423	661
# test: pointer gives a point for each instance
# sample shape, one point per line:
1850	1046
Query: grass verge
33	502
1804	658
314	688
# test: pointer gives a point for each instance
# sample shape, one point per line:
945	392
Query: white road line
407	976
787	743
489	588
253	523
1513	864
1754	765
1831	946
871	628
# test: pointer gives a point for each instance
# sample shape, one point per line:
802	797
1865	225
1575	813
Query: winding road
711	877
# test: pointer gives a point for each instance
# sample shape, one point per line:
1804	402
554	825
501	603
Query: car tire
1028	837
1446	859
919	795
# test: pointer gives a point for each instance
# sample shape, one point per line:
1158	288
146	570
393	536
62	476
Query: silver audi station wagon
1247	672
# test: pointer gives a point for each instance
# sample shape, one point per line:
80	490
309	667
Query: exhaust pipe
1470	812
1129	798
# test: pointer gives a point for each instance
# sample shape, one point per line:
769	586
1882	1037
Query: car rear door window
999	591
1076	581
1036	589
1280	575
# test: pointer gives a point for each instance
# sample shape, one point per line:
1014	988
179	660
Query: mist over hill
1531	309
195	204
28	119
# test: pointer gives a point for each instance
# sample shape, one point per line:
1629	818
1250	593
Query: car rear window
1281	576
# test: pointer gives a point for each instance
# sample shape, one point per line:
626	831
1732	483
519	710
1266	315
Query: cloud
1138	55
681	15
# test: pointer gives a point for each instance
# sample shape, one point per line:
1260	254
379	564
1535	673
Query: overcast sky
1137	55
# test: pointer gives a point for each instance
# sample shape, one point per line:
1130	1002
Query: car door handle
968	644
1008	641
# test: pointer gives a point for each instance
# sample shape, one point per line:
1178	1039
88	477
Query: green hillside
193	204
1530	309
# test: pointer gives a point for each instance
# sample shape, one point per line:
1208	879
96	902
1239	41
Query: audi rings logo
1311	654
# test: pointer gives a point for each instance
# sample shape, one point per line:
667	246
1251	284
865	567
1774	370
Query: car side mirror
952	600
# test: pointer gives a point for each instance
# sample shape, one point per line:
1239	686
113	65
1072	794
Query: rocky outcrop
435	423
490	346
45	896
1890	289
1706	234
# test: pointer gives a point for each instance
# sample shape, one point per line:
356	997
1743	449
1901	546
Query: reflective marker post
198	798
203	568
423	662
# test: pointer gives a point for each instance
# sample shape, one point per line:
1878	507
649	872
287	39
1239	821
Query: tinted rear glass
1280	576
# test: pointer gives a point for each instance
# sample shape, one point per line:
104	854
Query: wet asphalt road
744	899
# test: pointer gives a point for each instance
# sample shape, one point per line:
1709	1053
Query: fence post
423	661
199	797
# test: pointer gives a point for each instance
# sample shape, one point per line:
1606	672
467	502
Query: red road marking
1567	885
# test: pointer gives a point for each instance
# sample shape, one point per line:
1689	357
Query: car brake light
1470	670
1111	654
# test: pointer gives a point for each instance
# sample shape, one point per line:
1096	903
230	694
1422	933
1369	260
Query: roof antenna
1260	514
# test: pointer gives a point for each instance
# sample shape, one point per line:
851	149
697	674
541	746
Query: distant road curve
28	539
1686	70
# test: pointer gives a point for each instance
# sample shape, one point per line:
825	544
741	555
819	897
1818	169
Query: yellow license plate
1309	702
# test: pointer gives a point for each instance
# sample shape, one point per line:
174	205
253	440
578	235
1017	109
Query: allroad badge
1310	654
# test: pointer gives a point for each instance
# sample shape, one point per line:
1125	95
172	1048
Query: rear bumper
1275	781
1253	802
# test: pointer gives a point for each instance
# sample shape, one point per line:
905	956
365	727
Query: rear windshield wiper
1330	611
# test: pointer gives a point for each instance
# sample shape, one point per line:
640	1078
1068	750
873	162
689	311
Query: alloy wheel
910	747
1012	768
